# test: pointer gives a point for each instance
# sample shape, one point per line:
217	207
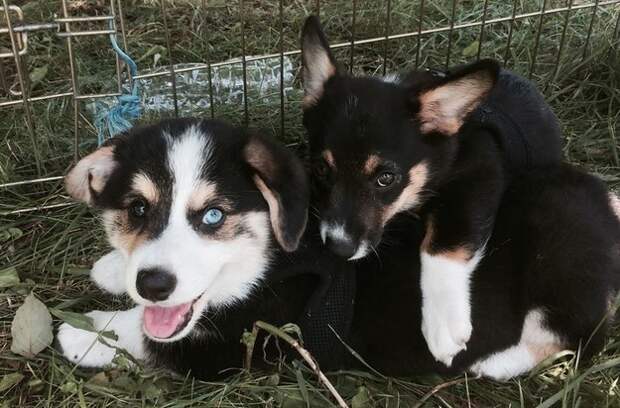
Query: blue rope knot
119	118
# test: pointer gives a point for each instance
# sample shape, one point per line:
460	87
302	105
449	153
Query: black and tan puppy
381	148
444	145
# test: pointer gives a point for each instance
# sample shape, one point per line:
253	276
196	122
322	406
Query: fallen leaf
8	277
31	328
471	49
70	387
11	234
81	321
37	75
361	399
10	380
77	320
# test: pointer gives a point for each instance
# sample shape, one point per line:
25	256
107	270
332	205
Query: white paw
446	308
446	326
108	273
83	347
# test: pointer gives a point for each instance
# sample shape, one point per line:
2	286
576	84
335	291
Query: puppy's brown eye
138	208
385	179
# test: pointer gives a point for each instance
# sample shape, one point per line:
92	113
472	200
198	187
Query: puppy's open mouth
164	322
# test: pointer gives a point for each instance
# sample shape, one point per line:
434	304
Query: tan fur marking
201	195
116	225
318	69
428	237
371	164
259	157
459	254
329	158
274	209
540	352
443	109
229	229
92	171
143	184
410	196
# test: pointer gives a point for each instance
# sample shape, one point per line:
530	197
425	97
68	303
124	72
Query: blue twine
119	118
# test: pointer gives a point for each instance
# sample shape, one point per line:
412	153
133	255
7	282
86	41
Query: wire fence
67	26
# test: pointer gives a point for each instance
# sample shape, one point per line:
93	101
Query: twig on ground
305	354
438	388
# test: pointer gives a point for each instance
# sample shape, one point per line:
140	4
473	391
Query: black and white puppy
202	217
422	144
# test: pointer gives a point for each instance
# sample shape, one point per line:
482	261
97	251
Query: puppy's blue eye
213	217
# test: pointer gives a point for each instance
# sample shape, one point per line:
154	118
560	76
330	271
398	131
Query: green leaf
301	382
38	74
8	277
81	321
70	387
31	328
10	380
77	320
361	399
10	234
126	383
151	391
472	49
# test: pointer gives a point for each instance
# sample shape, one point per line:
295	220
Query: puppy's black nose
155	284
341	247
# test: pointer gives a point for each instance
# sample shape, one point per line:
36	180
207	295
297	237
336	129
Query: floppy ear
281	179
318	62
444	104
89	177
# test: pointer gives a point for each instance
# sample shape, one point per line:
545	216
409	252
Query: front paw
108	273
83	347
447	328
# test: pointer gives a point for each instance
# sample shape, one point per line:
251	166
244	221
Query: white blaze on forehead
187	157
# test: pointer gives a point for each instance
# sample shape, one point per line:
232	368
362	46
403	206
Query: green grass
53	249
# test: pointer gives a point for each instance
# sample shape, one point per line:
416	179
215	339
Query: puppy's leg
457	229
446	305
108	273
537	343
86	349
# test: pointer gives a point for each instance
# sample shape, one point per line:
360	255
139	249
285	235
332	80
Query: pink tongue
162	322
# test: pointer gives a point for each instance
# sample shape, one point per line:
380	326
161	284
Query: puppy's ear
280	177
89	177
318	62
445	102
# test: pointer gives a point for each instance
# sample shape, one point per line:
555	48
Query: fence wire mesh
554	38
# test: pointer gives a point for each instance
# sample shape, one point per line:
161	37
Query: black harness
328	313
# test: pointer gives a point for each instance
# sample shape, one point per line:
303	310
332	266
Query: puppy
548	282
445	145
206	222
